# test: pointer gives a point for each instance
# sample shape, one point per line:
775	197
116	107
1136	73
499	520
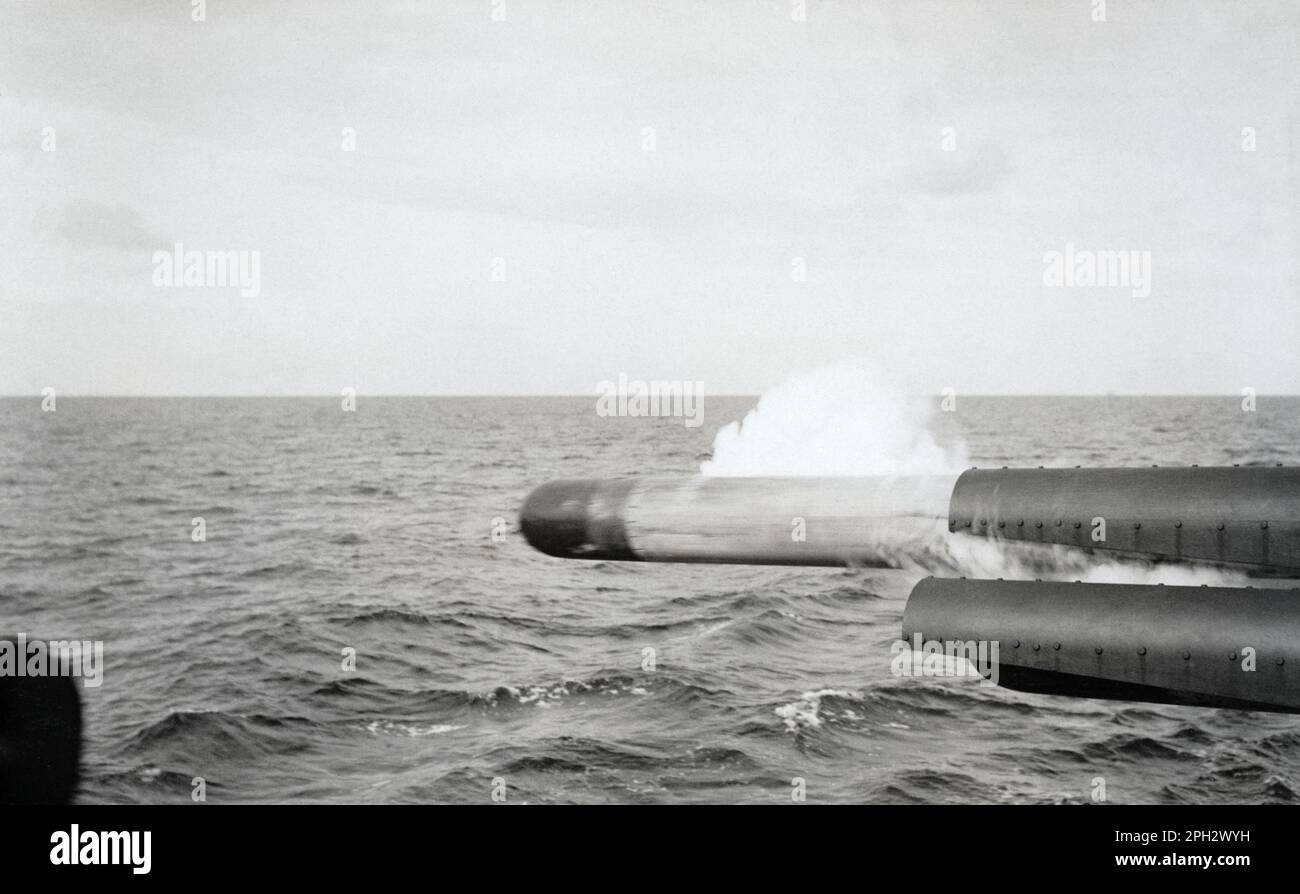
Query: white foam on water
390	727
802	714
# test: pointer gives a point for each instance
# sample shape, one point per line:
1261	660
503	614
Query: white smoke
850	420
846	419
985	557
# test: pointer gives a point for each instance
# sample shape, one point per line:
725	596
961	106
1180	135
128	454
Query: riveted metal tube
1223	647
1247	516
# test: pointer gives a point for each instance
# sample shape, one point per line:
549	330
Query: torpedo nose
578	518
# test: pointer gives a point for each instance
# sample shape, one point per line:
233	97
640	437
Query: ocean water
479	660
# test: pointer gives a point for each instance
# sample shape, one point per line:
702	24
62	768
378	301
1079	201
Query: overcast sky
667	253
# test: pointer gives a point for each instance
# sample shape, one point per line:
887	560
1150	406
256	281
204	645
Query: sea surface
482	666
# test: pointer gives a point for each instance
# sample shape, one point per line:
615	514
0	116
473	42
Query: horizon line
313	396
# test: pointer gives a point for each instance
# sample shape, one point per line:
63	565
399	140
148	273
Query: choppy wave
350	630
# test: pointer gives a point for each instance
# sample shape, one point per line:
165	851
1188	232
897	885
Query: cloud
973	171
119	226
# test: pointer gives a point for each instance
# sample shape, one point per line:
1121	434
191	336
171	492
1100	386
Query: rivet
1037	647
1187	656
1057	647
968	524
984	521
1097	650
1016	644
1058	522
1142	650
1078	524
1281	661
1178	524
1038	524
1264	525
1002	524
1137	526
1021	524
1232	657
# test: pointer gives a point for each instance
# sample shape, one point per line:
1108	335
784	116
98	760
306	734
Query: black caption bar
305	843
